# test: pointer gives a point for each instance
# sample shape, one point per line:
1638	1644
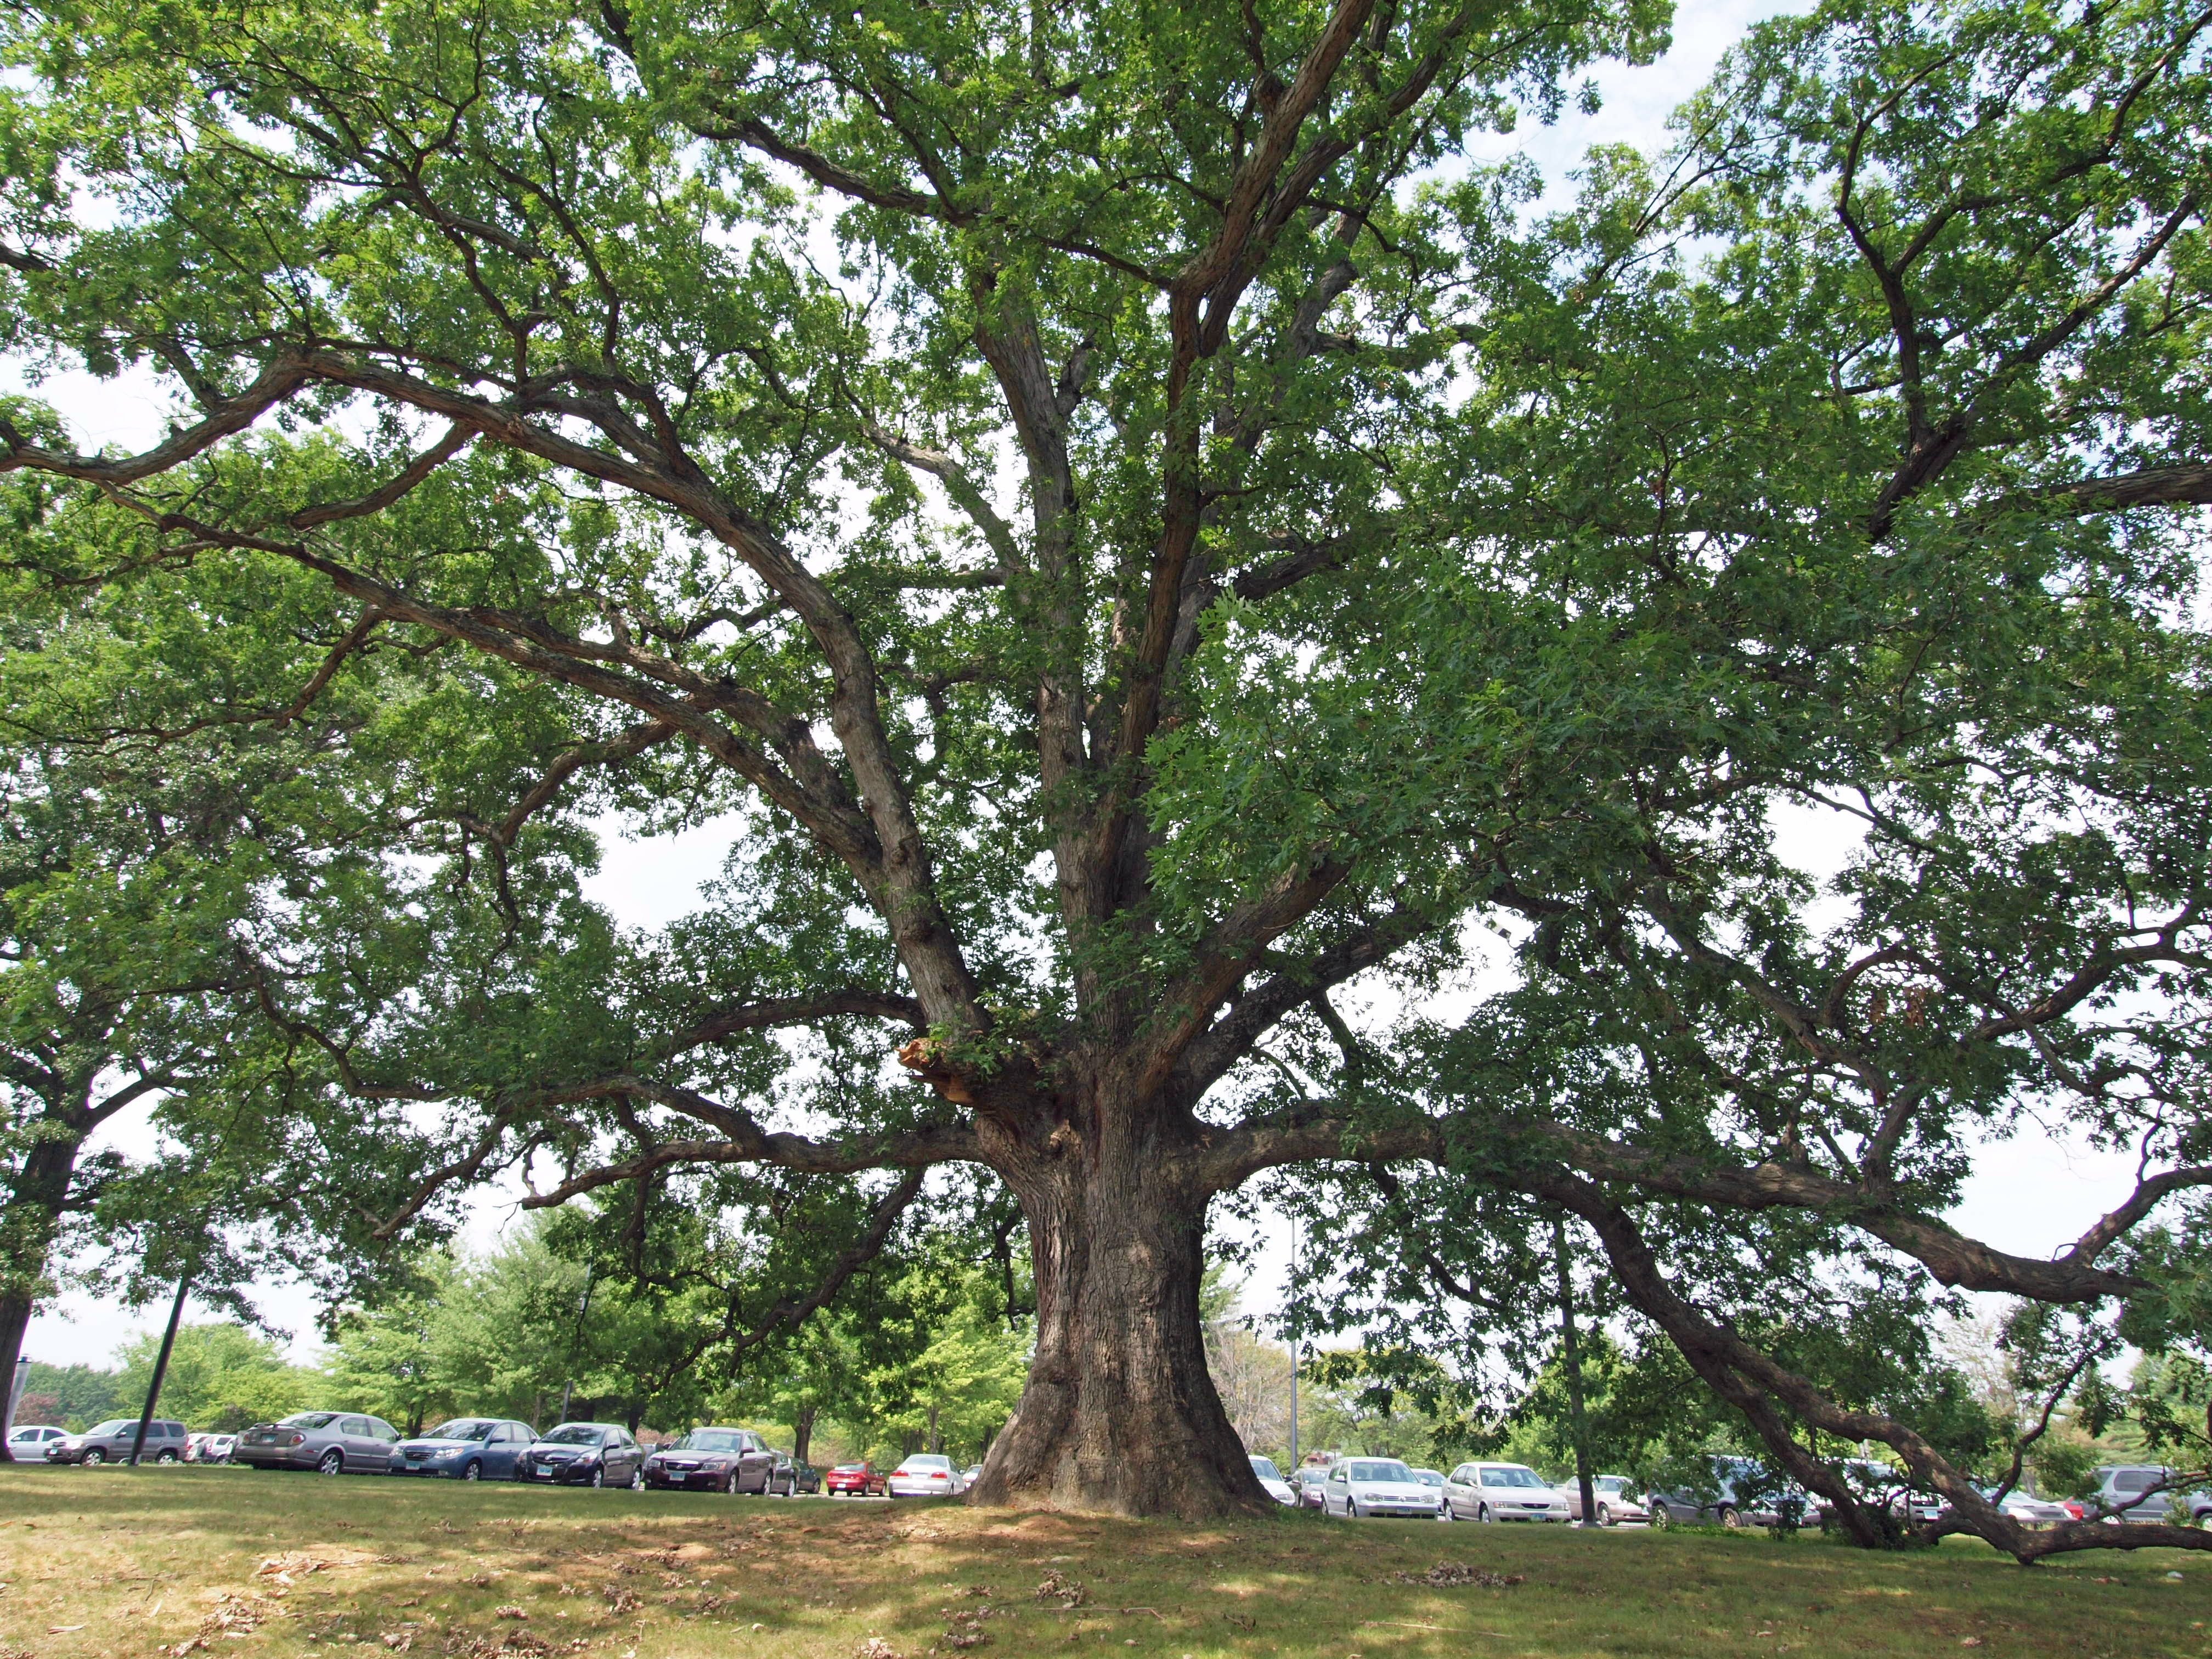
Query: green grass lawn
198	1563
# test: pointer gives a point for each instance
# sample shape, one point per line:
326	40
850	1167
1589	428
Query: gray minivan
329	1443
2139	1492
111	1443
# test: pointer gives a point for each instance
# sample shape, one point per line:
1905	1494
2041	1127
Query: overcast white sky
2030	1195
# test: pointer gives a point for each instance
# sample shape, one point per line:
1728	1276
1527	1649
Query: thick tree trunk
15	1320
1119	1414
28	1226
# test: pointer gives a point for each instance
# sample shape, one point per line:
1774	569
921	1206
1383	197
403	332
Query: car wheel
637	1480
1604	1516
1447	1513
2205	1521
1729	1518
1482	1513
95	1457
333	1462
600	1476
166	1457
472	1470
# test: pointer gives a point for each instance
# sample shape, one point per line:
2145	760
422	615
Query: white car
1358	1488
1434	1483
1271	1482
926	1475
28	1441
2030	1511
1501	1491
1616	1500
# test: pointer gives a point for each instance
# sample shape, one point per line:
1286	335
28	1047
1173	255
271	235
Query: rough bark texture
15	1320
1120	1413
27	1226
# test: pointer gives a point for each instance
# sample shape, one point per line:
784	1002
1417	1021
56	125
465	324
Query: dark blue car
467	1448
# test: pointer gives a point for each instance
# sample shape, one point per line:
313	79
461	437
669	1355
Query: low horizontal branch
1950	1256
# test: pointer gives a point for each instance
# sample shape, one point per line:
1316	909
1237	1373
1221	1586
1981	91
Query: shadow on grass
471	1572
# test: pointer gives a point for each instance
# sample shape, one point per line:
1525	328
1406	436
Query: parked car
855	1480
329	1443
720	1459
466	1448
111	1443
972	1473
925	1475
586	1453
1271	1482
1501	1491
1358	1488
2144	1491
782	1476
1734	1497
2026	1508
1614	1495
202	1448
28	1441
1872	1483
1307	1484
808	1477
1434	1481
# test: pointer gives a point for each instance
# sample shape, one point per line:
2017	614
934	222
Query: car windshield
574	1434
1511	1474
850	1469
306	1419
1265	1469
1428	1477
462	1428
721	1440
1391	1471
929	1463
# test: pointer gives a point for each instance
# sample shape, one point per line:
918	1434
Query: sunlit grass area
213	1562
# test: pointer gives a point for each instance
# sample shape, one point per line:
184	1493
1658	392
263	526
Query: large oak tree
1139	531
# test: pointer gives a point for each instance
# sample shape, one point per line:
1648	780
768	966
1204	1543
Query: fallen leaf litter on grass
1059	1586
1450	1575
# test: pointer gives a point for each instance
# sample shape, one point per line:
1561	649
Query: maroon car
848	1479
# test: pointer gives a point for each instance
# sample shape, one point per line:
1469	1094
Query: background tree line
523	1330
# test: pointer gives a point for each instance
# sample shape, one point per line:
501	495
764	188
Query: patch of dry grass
201	1563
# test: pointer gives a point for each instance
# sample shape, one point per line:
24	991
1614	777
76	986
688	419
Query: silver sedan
1616	1498
1501	1491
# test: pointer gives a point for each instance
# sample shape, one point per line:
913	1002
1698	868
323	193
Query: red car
847	1478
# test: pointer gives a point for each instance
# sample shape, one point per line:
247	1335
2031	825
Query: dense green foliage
1132	531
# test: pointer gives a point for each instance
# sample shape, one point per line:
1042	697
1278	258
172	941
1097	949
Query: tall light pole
160	1367
1570	1363
1294	1341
